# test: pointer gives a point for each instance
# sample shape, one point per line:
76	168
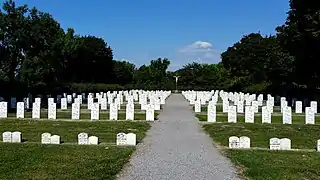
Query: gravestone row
83	138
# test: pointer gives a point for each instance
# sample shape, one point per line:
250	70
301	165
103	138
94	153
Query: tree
300	37
43	60
123	72
13	38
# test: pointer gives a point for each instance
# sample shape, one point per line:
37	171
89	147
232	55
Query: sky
184	31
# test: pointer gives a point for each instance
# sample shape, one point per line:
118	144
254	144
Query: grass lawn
264	164
68	130
258	119
85	116
36	161
66	161
302	136
276	165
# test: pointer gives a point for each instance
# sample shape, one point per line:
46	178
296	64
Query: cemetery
253	132
101	102
99	134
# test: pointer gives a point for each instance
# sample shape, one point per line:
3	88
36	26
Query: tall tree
300	36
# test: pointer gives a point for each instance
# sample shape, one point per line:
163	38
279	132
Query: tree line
38	56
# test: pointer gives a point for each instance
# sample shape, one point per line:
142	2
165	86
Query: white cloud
199	51
197	47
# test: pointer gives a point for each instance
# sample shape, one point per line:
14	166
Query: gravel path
176	148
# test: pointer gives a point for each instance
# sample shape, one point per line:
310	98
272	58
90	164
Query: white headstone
93	140
45	138
64	104
7	136
298	106
75	111
95	111
55	139
130	111
234	142
244	142
121	139
212	113
35	110
20	110
285	144
52	111
3	109
309	116
83	138
249	114
274	144
16	137
131	139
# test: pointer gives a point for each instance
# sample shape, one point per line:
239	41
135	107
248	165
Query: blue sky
181	30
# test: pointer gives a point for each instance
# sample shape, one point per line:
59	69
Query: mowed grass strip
68	130
258	119
276	165
265	164
302	136
84	116
36	161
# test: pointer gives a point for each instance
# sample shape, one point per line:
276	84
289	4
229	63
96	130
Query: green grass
276	165
302	136
32	160
87	116
258	119
68	130
36	161
264	164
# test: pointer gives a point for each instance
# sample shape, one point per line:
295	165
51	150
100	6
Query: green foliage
38	56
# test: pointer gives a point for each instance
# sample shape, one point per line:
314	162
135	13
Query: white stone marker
274	144
75	111
7	136
20	110
55	139
121	139
131	139
35	110
93	140
95	111
3	109
83	138
287	115
298	107
314	106
266	115
64	104
212	113
232	114
249	114
285	144
309	116
130	111
113	114
52	111
244	142
45	138
234	142
16	137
